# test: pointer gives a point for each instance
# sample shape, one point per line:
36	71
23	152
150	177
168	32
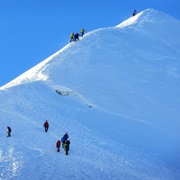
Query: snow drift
116	91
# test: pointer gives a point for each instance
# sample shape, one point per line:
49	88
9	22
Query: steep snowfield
116	92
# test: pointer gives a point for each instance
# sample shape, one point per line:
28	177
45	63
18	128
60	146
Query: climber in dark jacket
8	131
134	12
46	126
76	36
66	146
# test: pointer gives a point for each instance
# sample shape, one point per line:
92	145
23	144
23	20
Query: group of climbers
65	140
75	37
65	143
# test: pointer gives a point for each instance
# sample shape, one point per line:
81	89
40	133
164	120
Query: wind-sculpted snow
116	92
34	74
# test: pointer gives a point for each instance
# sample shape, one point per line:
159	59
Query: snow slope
116	92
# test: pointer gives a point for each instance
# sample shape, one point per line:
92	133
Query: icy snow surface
116	92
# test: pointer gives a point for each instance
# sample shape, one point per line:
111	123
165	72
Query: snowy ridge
35	73
130	21
116	95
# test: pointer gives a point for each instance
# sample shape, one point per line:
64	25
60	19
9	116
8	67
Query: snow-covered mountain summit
116	91
143	20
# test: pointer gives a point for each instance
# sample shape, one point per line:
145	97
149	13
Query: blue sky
32	30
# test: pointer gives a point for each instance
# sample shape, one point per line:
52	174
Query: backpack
63	140
46	124
58	144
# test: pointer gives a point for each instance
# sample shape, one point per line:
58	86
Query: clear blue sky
32	30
